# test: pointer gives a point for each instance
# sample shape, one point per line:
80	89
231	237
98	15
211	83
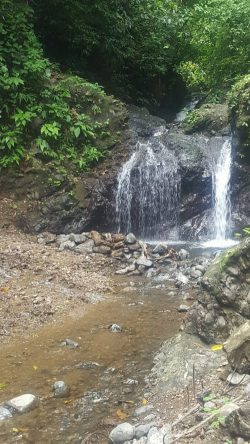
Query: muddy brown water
147	315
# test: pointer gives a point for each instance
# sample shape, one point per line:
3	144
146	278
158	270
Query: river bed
106	373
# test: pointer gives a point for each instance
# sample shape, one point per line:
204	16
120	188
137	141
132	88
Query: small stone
118	237
102	249
70	343
144	261
86	247
67	245
123	432
183	254
4	413
195	273
209	405
159	249
236	378
115	328
60	389
97	238
150	417
122	271
182	278
183	308
130	239
142	410
142	430
77	238
23	403
225	410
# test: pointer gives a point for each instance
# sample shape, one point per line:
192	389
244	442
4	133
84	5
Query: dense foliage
219	44
137	48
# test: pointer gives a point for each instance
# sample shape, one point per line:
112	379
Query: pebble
4	413
123	432
237	378
183	308
144	409
60	389
70	343
23	403
115	328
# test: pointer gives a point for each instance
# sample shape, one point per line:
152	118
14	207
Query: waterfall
221	192
148	190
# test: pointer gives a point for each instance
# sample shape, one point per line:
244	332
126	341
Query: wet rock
86	247
60	389
182	279
238	422
194	273
183	254
23	403
123	432
4	414
70	343
130	239
67	245
183	308
115	328
144	262
142	410
236	378
159	249
238	348
134	247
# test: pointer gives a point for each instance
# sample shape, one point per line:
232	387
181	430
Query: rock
118	237
142	430
123	432
209	405
122	271
130	239
183	308
97	238
60	389
67	245
4	413
77	238
182	278
118	245
134	247
225	410
183	254
102	249
142	410
160	436
149	418
70	343
224	305
195	273
86	247
238	422
201	268
159	249
238	348
236	378
115	328
144	261
46	238
23	403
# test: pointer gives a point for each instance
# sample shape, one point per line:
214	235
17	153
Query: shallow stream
106	373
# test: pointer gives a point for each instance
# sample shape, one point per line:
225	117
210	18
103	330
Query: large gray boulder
224	305
238	422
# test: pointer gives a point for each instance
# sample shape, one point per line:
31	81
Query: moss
209	119
239	102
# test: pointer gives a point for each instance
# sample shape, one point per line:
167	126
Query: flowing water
100	372
148	191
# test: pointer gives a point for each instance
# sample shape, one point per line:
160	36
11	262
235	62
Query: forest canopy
137	49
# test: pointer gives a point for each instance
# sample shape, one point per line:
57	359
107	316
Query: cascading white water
148	191
221	192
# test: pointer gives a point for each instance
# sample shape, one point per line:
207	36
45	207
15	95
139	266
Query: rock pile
135	254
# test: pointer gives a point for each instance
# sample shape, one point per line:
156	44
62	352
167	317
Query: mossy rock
210	119
239	102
